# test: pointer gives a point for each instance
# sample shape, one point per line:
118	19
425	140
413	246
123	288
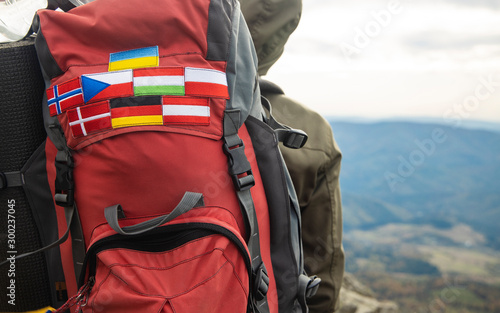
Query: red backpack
163	162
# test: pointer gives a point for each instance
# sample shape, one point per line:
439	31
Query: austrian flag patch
186	110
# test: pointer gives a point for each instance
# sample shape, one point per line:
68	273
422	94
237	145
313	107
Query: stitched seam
177	295
102	64
236	274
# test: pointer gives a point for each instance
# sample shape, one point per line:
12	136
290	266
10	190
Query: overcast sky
396	58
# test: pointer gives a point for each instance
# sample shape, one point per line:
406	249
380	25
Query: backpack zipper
154	242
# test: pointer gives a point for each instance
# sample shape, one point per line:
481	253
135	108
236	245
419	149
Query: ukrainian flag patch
131	59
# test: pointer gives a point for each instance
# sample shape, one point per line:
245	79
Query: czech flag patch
108	85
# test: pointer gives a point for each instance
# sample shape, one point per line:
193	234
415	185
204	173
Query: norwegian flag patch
64	96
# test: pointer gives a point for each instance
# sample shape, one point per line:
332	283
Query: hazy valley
421	213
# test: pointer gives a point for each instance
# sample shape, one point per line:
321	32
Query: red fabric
147	169
147	173
94	34
260	202
204	275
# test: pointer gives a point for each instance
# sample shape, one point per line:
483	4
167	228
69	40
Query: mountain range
419	173
421	205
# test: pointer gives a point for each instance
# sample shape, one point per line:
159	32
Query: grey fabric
77	242
40	200
47	61
189	201
241	71
315	173
295	218
50	69
219	29
286	249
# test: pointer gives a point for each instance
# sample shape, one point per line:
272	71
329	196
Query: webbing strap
77	241
11	179
239	165
64	196
308	286
69	213
189	201
290	137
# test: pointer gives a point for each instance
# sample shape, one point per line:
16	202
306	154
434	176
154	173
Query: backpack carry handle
189	201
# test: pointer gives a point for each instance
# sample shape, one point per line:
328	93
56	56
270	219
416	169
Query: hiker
314	168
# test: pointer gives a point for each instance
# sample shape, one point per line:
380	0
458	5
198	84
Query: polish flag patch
205	82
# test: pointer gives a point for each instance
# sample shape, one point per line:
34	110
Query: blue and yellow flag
137	58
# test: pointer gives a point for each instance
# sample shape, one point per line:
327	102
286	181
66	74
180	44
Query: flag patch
89	119
186	110
137	58
205	82
64	96
159	81
104	86
136	111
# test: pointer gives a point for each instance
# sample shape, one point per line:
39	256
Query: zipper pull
80	299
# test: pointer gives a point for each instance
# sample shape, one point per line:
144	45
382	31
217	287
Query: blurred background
412	91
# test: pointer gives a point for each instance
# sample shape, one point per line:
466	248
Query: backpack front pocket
192	267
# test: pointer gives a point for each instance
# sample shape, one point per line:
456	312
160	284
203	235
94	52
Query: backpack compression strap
241	173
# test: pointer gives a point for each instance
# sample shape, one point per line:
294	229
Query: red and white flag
205	82
64	96
90	119
186	110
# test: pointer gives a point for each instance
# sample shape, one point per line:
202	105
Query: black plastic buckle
239	167
261	283
64	185
295	139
